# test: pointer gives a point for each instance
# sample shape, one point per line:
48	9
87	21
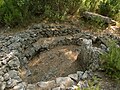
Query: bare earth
57	62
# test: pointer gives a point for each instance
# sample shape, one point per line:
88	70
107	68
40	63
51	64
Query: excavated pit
57	57
57	62
43	54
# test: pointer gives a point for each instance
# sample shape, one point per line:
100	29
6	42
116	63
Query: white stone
1	72
11	83
46	85
1	79
4	62
65	81
20	86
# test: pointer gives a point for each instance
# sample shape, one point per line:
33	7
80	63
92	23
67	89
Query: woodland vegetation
15	12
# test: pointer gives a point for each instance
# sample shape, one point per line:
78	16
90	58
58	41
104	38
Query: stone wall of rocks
17	50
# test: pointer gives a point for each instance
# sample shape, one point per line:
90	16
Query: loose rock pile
17	50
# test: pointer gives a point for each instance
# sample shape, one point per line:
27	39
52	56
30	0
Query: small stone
36	26
103	47
80	74
4	62
57	88
20	86
85	75
1	72
65	81
3	69
87	42
62	86
28	72
6	76
31	87
1	79
0	64
74	76
74	87
46	85
83	84
2	85
13	74
14	63
25	60
11	83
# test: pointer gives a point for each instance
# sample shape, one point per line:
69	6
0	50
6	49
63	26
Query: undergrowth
111	60
14	12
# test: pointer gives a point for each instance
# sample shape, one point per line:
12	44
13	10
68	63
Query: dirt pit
60	61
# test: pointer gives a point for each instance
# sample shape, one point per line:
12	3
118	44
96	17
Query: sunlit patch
71	55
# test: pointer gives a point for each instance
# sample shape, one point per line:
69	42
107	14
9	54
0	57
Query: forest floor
59	57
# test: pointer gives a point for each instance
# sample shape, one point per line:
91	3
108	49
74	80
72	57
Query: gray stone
14	63
103	47
6	76
18	79
36	26
25	60
80	74
11	83
31	52
8	57
85	75
74	76
87	42
13	73
28	72
15	52
3	68
83	84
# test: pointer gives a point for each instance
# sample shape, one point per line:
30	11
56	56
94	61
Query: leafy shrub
109	7
12	12
111	60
